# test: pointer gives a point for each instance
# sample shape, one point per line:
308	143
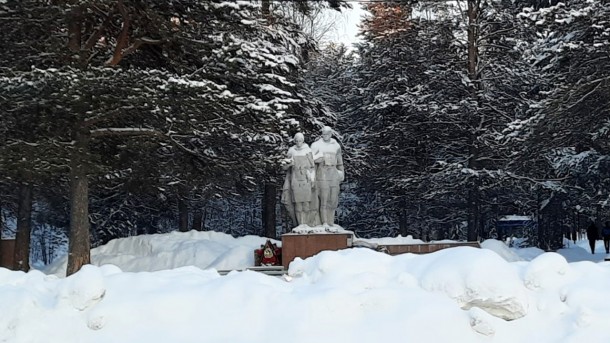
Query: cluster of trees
140	116
472	109
118	112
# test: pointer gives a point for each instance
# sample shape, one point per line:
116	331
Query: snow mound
482	322
471	277
545	271
501	249
206	250
474	278
85	288
356	295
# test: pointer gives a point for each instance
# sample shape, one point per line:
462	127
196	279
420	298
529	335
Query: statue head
299	139
327	133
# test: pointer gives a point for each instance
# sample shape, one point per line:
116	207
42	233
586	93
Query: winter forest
128	117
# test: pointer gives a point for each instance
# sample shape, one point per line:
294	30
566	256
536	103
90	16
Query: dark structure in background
515	226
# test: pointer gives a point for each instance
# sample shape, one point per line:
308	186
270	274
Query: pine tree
566	129
435	95
217	95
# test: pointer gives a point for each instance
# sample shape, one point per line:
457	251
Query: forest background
131	117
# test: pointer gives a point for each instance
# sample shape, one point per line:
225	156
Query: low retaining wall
306	245
395	249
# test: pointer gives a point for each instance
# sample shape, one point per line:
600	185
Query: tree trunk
268	204
198	220
539	218
1	231
473	32
183	215
473	214
402	218
74	24
482	229
265	7
402	223
44	248
24	228
473	53
79	252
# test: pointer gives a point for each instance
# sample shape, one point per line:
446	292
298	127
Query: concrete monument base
305	245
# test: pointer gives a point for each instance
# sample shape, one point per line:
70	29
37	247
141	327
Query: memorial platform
306	245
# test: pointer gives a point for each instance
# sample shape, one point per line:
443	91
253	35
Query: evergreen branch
123	37
97	34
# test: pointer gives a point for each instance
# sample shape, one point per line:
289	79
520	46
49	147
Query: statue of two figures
313	175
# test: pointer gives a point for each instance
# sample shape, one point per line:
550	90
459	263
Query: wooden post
7	253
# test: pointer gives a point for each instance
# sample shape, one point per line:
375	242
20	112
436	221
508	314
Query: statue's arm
339	160
288	161
311	172
311	160
317	156
340	166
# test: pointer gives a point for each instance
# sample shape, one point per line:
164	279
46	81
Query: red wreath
269	254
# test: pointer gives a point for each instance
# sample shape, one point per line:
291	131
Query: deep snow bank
205	250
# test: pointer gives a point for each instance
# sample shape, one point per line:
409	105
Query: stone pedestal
306	245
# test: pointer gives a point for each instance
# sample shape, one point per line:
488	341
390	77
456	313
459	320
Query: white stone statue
329	174
299	182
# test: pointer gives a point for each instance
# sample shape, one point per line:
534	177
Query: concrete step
268	270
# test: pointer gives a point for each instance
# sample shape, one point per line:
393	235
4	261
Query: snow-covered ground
165	288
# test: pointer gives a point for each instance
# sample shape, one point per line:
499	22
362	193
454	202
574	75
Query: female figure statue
300	179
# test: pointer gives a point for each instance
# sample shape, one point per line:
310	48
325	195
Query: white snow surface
515	217
166	288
